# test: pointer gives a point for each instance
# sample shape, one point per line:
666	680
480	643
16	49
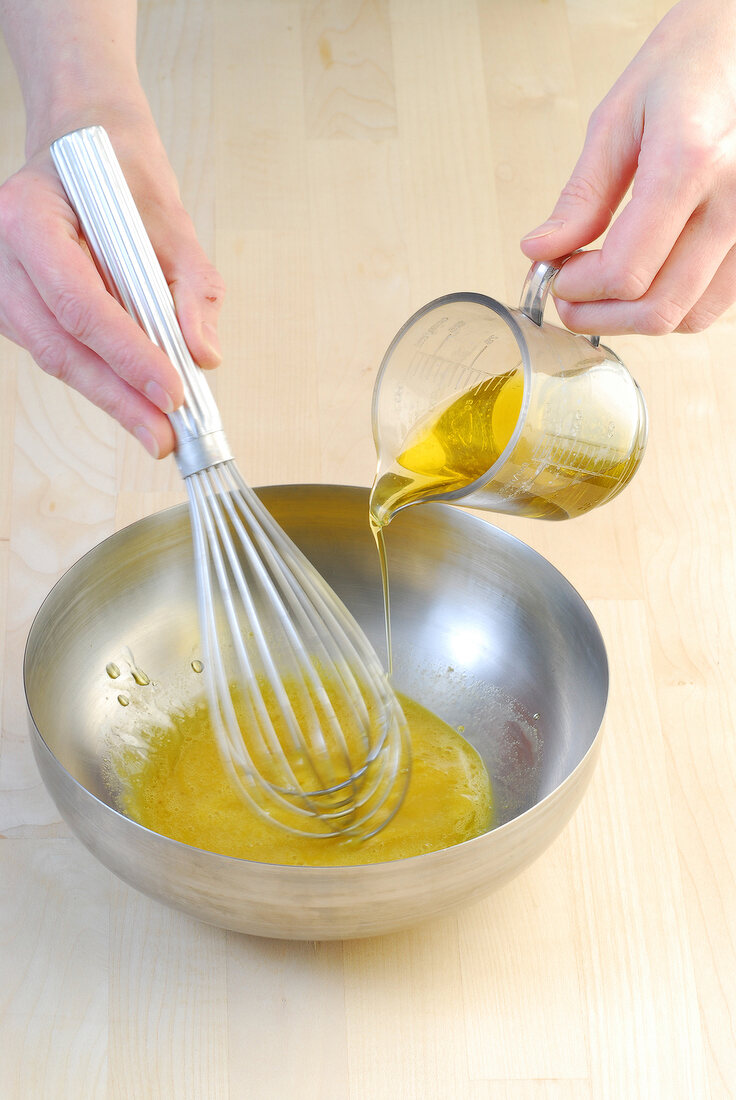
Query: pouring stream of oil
445	451
177	785
567	460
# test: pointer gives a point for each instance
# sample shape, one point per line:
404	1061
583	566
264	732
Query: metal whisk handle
117	239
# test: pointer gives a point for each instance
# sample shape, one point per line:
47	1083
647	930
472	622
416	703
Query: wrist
76	63
68	99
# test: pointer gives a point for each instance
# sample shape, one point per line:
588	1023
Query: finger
637	244
29	322
718	296
597	185
72	290
85	372
93	379
687	273
198	295
196	286
602	318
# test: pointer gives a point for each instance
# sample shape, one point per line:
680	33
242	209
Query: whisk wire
304	715
391	761
221	546
295	648
340	635
302	612
226	721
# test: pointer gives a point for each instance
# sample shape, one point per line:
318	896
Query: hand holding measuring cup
492	408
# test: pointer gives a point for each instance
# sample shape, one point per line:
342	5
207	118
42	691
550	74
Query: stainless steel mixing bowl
486	633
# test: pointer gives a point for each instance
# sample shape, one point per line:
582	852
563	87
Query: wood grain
344	162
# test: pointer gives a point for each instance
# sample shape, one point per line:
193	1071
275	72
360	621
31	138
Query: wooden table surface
345	162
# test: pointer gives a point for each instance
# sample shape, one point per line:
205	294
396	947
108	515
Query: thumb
196	286
198	291
589	199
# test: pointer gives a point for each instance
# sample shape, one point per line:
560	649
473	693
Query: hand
668	262
53	301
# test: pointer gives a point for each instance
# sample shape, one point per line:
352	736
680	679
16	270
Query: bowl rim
514	823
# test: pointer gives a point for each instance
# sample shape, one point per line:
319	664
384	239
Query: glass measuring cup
492	408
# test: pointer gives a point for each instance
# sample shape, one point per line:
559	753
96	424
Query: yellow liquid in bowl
181	789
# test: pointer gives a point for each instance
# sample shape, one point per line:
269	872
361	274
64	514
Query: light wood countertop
345	162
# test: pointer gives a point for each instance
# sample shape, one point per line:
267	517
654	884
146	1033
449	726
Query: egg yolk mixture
182	790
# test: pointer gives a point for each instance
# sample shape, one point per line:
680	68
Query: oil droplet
535	717
461	729
112	671
139	676
123	700
197	666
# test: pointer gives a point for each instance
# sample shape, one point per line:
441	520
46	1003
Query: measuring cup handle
536	289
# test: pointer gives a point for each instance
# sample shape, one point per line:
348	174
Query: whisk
303	712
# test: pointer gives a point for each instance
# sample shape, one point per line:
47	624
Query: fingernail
544	230
147	439
159	397
209	337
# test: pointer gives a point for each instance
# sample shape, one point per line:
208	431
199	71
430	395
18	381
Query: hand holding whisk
303	712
